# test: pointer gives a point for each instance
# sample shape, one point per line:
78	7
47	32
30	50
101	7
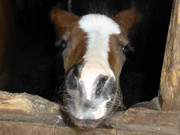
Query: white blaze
98	28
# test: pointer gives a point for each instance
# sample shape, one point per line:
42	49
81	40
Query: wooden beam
25	114
169	95
135	121
6	34
4	26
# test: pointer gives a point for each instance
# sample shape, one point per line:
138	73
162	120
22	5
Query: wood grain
169	95
135	121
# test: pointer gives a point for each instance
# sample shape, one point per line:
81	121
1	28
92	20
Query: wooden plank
26	103
119	132
135	121
6	34
31	114
143	120
169	95
13	128
46	119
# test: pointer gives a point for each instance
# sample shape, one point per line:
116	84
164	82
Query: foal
93	58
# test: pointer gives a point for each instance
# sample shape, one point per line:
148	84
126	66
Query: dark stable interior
34	64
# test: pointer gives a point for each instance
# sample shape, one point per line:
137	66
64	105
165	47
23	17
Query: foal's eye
127	49
61	44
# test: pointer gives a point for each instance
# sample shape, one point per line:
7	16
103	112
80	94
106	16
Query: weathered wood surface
25	114
170	77
146	121
26	104
136	121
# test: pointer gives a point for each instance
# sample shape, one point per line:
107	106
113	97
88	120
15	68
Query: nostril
110	88
72	78
87	104
101	82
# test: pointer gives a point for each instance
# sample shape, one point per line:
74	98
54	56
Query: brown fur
127	18
63	21
116	56
76	48
68	28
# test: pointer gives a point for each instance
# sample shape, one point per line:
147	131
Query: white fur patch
93	113
99	23
99	28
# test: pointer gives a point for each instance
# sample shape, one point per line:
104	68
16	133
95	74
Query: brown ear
127	18
63	20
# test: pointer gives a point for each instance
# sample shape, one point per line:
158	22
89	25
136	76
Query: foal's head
93	59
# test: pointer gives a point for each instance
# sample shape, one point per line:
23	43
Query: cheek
73	55
116	60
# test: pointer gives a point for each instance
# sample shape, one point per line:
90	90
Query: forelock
99	23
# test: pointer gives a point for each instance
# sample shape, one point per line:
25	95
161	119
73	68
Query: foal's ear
63	20
127	18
